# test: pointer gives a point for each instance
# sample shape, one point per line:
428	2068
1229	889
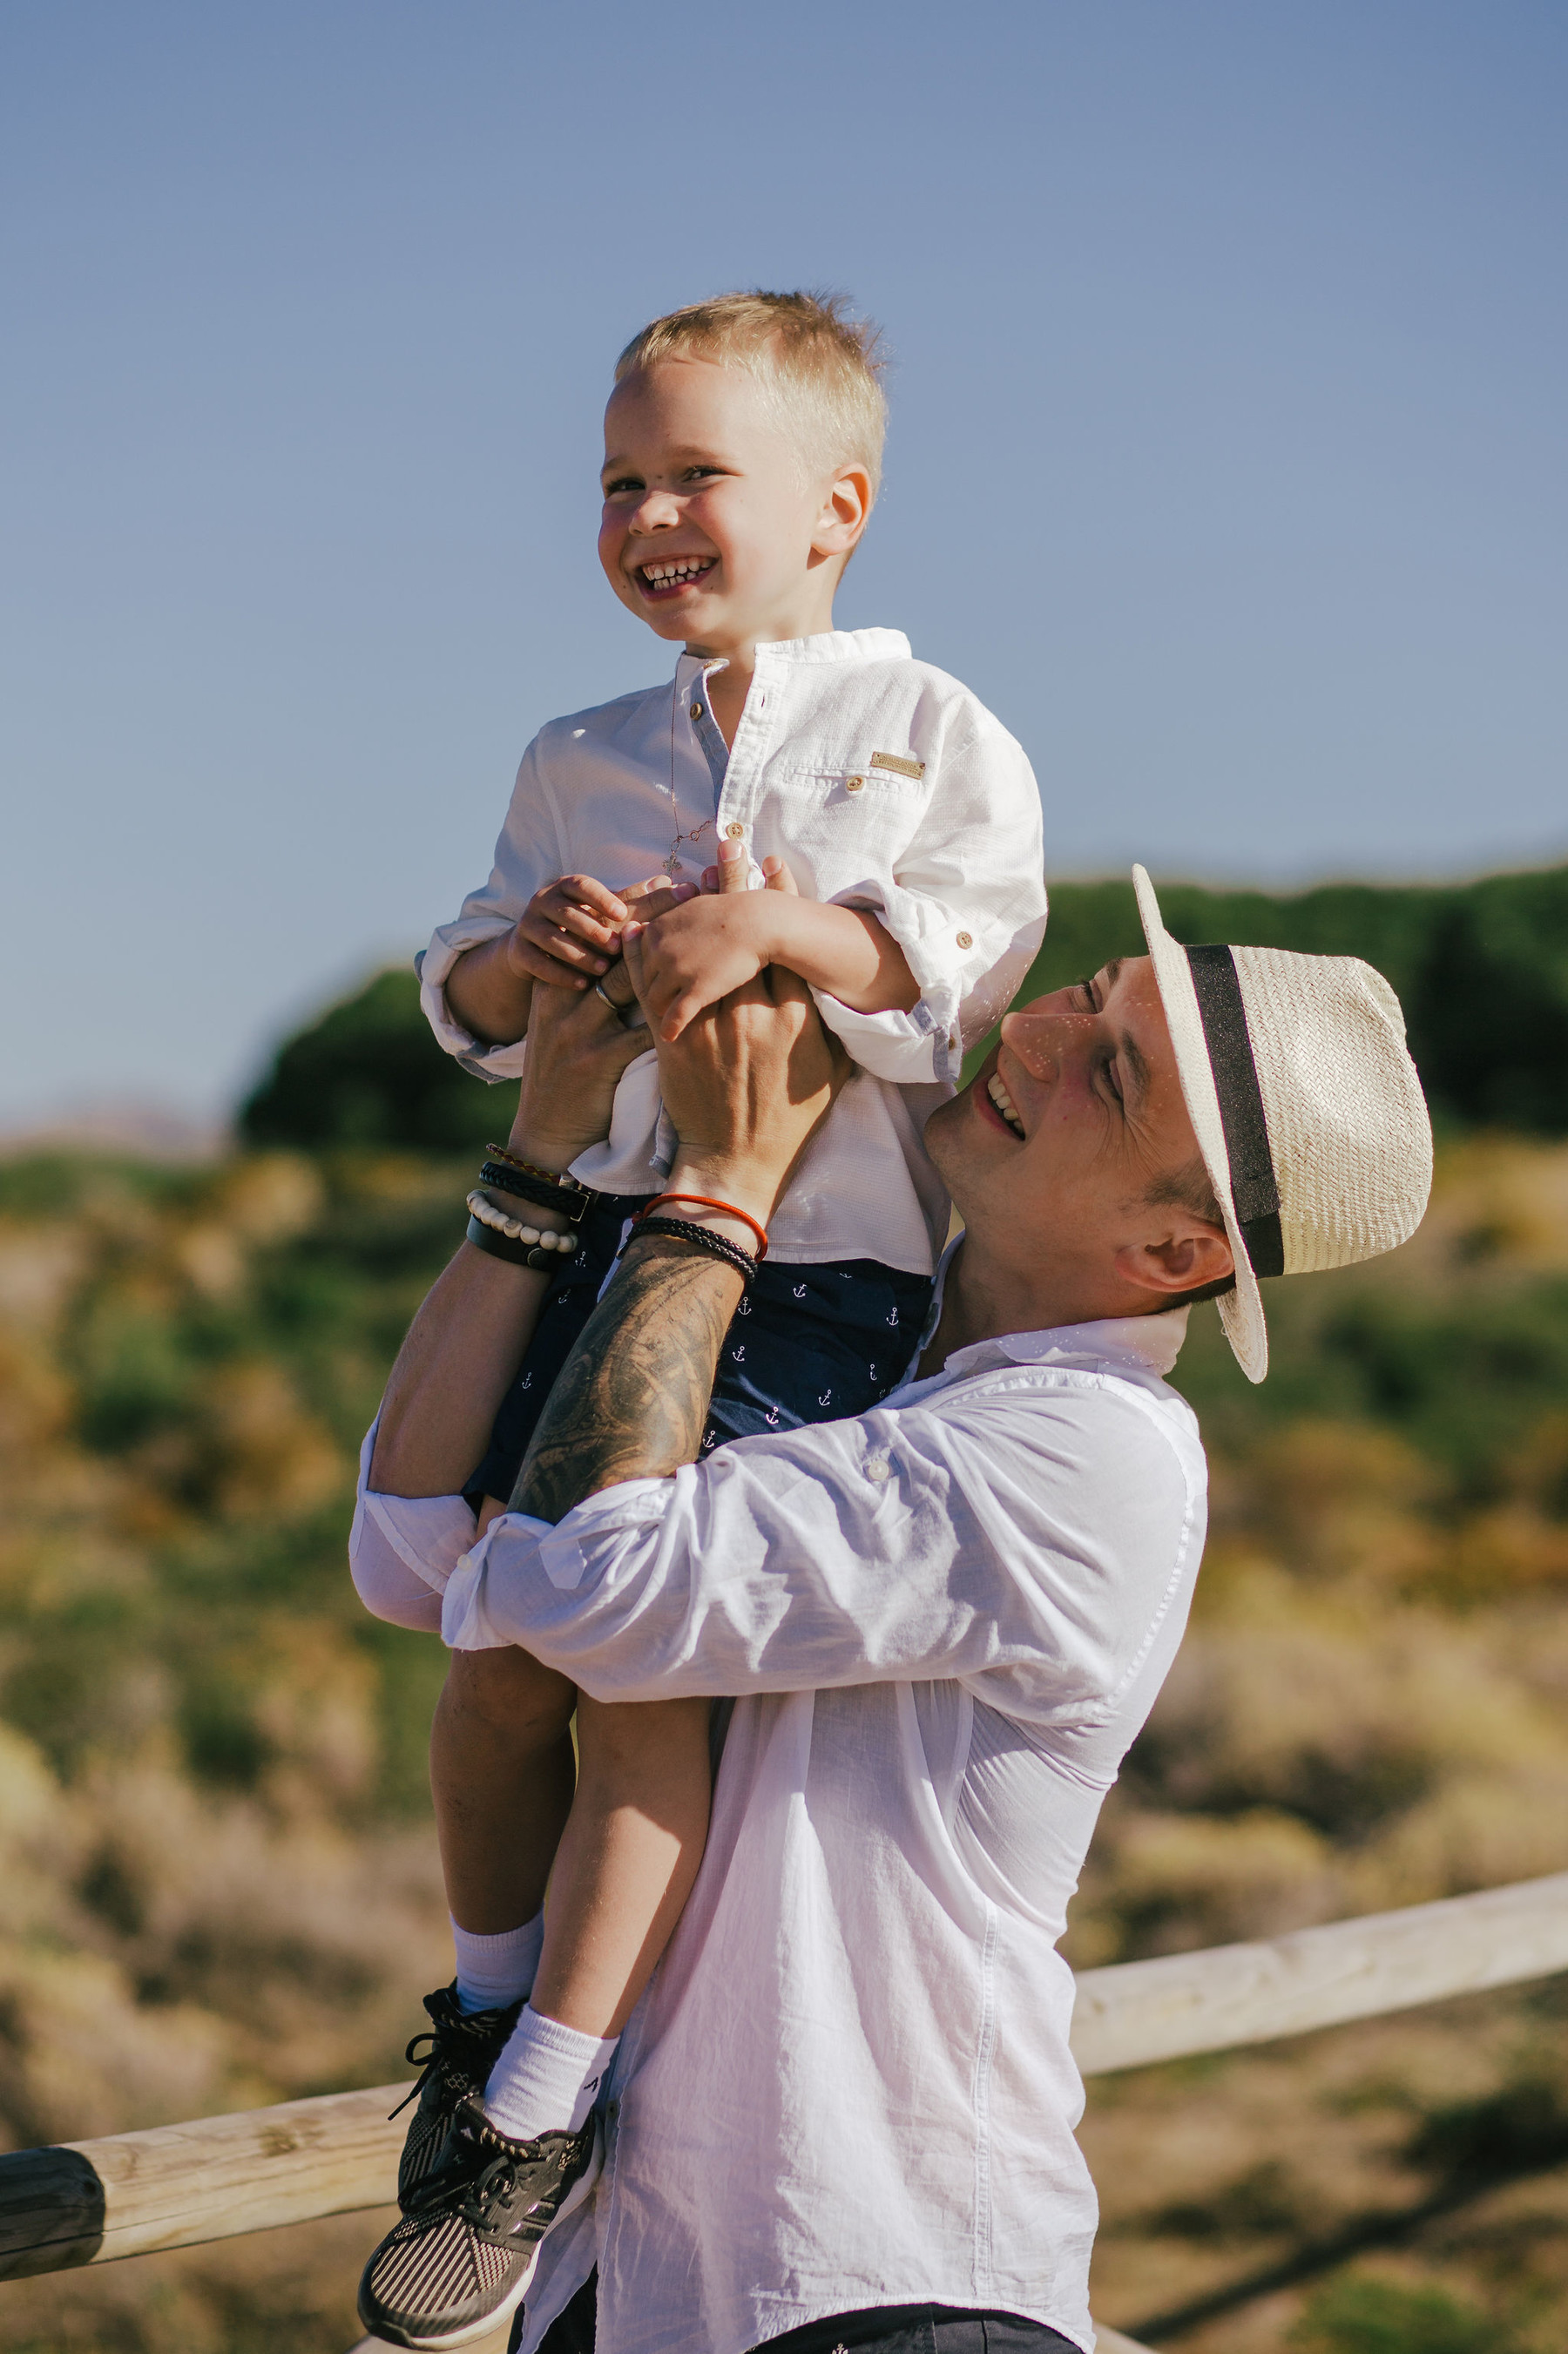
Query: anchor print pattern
805	1326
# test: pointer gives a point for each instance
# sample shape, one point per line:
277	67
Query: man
843	2114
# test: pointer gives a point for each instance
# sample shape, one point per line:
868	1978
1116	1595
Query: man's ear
1186	1260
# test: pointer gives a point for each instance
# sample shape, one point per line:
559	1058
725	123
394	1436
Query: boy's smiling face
717	529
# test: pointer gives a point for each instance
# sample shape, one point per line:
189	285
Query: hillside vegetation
1481	970
217	1885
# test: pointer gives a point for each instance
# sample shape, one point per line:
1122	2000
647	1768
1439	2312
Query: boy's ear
846	508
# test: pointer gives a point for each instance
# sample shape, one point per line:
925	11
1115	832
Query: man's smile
668	578
1004	1103
997	1108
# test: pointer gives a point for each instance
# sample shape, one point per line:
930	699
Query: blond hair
819	364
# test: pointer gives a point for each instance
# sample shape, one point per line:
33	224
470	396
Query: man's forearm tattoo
632	1398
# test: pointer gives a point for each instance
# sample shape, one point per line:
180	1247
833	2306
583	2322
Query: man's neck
985	1296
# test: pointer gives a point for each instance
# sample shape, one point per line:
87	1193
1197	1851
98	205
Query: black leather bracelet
499	1245
571	1201
686	1230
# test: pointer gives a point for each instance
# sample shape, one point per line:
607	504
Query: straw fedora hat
1306	1104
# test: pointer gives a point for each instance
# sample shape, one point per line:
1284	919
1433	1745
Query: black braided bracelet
571	1201
686	1230
500	1246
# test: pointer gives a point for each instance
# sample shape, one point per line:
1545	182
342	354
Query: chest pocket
855	786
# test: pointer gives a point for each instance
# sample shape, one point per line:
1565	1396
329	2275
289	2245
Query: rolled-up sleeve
528	855
402	1549
966	903
1020	1535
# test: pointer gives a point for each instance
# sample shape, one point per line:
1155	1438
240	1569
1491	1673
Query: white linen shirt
849	2082
885	785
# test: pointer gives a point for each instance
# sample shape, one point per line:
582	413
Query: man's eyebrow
1137	1065
1110	971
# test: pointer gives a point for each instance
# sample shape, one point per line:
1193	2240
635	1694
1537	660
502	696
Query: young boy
743	450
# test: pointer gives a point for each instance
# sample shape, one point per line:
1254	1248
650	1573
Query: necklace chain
672	864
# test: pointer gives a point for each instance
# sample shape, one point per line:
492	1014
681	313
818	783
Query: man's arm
632	1398
1037	1530
464	1345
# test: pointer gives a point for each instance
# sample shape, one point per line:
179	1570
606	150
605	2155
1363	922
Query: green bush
1360	2314
370	1073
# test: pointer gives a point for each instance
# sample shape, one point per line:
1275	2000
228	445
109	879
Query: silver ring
631	1016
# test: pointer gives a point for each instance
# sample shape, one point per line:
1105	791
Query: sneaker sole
388	2334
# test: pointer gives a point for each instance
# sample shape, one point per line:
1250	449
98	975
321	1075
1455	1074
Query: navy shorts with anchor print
807	1344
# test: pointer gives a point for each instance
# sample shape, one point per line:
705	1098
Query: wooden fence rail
172	2187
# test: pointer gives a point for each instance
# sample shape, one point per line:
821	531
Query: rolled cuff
467	1622
965	968
487	1603
403	1550
910	1048
451	941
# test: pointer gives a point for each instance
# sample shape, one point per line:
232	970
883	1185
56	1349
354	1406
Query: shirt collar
830	646
1147	1344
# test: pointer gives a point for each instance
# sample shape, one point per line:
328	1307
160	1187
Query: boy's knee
509	1694
639	1735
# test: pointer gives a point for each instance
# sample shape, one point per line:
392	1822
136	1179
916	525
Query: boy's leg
527	2155
502	1772
623	1872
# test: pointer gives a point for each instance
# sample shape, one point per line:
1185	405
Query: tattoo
631	1399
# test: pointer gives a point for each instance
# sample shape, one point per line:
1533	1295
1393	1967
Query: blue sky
1226	460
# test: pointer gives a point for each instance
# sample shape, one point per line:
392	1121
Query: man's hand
578	1050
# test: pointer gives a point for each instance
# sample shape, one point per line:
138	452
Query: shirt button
965	941
696	711
735	830
853	784
877	1467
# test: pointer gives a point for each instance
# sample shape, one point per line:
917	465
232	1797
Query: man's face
715	530
1068	1125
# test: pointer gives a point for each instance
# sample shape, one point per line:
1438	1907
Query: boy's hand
568	933
699	952
570	930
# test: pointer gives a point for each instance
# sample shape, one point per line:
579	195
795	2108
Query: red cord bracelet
704	1203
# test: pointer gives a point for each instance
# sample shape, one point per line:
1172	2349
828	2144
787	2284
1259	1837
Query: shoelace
430	2062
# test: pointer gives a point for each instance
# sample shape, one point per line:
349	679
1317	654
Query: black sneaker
460	2262
463	2047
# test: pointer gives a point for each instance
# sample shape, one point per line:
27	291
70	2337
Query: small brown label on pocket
898	764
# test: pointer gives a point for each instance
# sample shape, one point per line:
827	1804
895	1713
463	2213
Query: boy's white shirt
951	861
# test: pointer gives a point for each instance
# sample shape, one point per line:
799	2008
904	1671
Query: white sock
494	1971
545	2079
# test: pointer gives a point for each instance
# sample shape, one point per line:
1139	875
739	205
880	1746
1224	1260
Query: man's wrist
701	1186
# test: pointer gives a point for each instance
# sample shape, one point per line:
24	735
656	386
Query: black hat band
1253	1189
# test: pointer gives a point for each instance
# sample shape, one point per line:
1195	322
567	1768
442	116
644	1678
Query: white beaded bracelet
491	1215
